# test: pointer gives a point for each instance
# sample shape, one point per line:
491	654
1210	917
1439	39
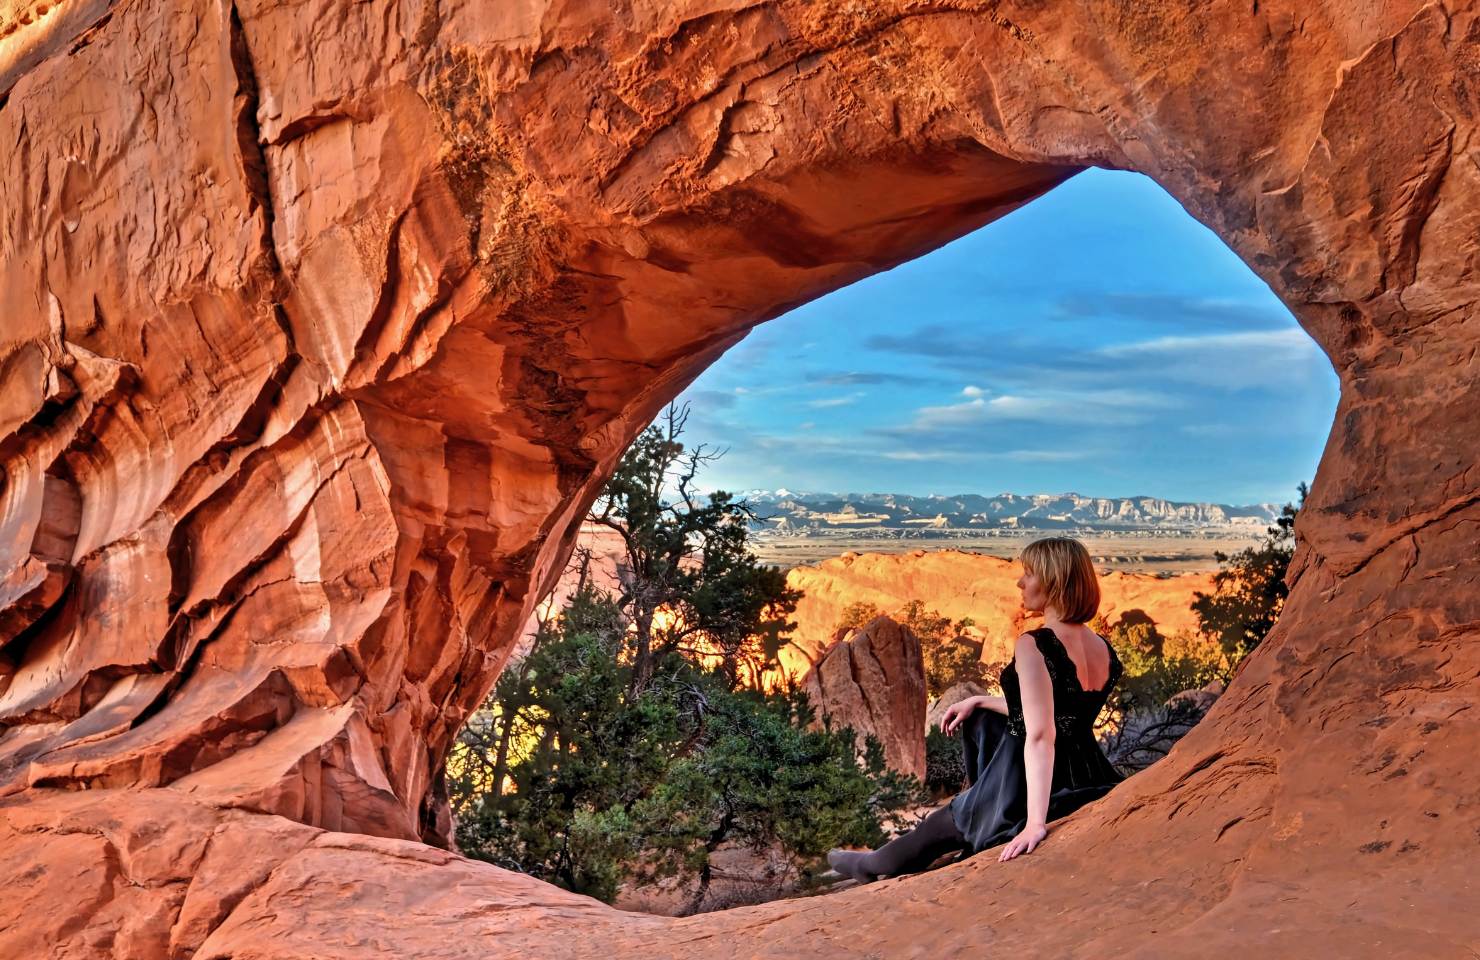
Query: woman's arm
957	712
1037	694
994	704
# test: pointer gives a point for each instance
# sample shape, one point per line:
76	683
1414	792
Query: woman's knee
984	722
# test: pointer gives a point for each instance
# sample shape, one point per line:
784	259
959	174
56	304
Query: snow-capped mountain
788	511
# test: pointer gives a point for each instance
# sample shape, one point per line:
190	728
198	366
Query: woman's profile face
1032	590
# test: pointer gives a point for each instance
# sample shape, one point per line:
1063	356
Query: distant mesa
789	513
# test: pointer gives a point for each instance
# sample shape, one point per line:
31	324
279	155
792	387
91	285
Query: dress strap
1070	669
1052	659
1047	633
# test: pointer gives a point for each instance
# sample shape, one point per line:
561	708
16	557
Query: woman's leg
979	735
937	834
909	852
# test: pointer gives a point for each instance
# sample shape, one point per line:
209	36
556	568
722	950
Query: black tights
914	850
936	835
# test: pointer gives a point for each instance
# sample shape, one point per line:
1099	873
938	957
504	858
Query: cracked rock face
322	323
873	680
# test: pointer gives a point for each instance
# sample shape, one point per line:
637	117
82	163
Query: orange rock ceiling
321	323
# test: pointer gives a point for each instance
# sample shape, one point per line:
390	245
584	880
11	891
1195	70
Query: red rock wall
322	322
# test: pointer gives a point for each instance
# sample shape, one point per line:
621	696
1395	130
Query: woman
1031	755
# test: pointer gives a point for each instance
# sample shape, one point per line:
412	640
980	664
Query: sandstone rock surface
324	322
957	584
873	680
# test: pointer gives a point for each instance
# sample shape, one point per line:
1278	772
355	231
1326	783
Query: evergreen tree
626	745
950	657
1249	591
689	557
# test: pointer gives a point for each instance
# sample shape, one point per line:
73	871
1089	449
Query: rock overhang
324	325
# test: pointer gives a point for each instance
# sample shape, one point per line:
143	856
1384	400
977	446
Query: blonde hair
1064	568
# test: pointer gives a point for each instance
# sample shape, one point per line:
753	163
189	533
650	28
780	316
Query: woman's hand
956	714
1024	842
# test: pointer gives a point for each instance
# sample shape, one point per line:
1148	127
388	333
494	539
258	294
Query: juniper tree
626	745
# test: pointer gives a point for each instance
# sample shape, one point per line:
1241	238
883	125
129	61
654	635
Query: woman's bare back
1089	651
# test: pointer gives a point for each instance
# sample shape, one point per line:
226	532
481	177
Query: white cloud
1284	339
972	391
1228	360
1009	404
923	455
842	401
951	415
1108	407
1040	456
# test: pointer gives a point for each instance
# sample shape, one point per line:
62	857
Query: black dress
994	808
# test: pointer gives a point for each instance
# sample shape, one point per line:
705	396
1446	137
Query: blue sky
1099	340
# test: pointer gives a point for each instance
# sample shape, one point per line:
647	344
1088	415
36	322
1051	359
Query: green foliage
1250	590
775	779
1158	667
648	783
1144	721
950	657
857	614
945	769
689	557
625	744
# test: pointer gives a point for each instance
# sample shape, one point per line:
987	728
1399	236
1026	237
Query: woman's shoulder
1040	639
1033	641
1039	646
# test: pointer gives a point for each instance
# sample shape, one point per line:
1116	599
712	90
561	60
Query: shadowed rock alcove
322	323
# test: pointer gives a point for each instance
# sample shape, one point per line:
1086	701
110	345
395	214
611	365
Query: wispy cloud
711	399
935	341
926	456
1111	406
1215	429
1262	358
950	415
1039	456
842	401
1289	338
1185	311
1018	456
861	378
1018	361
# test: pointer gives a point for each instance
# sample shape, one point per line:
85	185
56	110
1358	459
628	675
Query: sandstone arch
322	322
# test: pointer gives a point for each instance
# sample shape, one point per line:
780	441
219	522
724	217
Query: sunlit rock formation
873	680
955	584
324	322
961	585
